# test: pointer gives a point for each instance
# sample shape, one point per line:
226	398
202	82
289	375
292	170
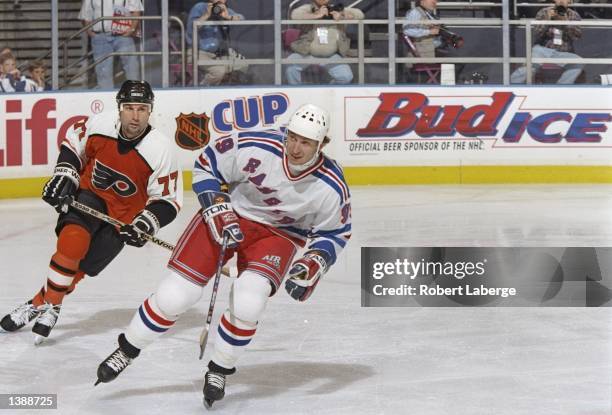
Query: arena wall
380	134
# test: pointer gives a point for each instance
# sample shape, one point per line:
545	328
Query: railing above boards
64	46
361	60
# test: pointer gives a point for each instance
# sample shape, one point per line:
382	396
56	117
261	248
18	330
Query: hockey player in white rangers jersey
283	194
115	163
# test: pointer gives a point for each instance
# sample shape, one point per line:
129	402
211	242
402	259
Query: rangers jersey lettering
127	178
313	207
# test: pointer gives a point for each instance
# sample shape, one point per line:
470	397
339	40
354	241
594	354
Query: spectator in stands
8	65
3	52
426	38
326	41
11	79
214	41
6	51
37	72
110	36
429	41
554	42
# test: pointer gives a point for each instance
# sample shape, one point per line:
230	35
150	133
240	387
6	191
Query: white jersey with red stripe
313	207
127	178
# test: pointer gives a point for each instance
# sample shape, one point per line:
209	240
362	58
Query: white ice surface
329	355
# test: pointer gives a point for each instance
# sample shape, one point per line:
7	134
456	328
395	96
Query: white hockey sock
148	324
231	339
58	279
158	313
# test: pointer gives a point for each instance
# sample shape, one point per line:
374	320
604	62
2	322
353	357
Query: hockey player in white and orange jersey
283	194
115	163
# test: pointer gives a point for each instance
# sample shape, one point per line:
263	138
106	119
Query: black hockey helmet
135	92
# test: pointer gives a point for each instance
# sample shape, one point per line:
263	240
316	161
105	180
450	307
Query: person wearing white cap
283	195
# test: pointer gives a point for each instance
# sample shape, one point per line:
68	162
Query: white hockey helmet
310	121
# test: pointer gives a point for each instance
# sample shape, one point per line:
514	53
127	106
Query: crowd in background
12	80
324	42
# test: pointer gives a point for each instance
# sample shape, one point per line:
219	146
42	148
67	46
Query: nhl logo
192	131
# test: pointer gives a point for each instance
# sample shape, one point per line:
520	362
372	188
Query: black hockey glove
61	187
144	223
305	274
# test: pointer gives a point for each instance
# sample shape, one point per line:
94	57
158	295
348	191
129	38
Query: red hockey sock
39	298
72	246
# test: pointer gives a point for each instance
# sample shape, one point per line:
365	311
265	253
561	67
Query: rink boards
380	134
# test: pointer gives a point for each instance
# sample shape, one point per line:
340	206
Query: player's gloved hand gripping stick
62	185
69	201
224	228
220	217
143	224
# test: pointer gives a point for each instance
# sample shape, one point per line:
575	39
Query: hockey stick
108	219
213	297
86	209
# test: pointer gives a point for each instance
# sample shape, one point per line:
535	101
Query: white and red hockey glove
305	274
220	217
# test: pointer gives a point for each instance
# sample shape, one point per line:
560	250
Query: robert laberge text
423	289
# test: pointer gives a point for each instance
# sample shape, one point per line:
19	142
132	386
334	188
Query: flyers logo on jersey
192	131
103	178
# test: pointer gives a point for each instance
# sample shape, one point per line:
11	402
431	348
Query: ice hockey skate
118	360
214	383
46	320
19	317
112	366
